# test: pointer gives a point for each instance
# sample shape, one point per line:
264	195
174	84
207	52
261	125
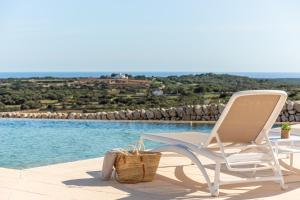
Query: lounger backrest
247	115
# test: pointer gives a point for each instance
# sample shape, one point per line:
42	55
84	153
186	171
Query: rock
78	116
284	118
284	107
205	109
186	118
297	118
172	112
157	114
198	117
285	113
136	115
56	115
85	115
173	119
149	114
291	112
143	114
297	106
110	116
217	116
129	114
164	113
214	109
90	116
104	116
180	112
188	110
198	110
122	114
290	105
116	114
98	115
64	116
221	107
206	118
278	119
292	118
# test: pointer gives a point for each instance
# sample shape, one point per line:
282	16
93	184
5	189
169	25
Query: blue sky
150	35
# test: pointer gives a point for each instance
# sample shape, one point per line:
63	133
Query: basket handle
137	147
140	145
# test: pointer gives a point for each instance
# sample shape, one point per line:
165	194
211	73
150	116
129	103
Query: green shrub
286	126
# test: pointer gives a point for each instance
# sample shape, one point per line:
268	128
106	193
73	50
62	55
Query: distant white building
157	92
120	76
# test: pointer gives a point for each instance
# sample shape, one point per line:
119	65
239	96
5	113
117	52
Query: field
111	93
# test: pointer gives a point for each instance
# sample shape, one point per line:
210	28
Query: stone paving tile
17	195
81	180
5	193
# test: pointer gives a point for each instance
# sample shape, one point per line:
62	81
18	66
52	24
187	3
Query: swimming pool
26	143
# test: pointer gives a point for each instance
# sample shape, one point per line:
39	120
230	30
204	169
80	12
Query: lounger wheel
283	186
215	192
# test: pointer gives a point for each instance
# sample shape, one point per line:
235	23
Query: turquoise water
30	143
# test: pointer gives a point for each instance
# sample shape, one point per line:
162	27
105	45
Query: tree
200	89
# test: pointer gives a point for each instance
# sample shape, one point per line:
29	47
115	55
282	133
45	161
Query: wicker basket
136	167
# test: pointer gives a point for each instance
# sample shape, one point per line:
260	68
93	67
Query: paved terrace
81	180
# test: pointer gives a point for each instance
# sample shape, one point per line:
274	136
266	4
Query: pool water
30	143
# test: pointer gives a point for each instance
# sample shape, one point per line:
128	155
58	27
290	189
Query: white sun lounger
239	139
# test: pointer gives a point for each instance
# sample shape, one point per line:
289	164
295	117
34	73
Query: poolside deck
81	180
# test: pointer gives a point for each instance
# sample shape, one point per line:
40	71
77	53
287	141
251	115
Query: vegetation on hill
113	93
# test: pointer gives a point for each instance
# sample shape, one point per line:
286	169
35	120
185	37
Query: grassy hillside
107	93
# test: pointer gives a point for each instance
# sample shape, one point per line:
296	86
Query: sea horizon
258	75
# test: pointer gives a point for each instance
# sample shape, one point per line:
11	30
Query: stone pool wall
290	112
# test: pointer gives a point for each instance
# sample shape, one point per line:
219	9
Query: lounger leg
278	173
276	165
217	179
254	171
291	159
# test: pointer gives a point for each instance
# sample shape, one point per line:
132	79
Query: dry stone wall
290	112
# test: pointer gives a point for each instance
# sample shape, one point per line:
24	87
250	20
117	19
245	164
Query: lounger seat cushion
192	140
195	138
